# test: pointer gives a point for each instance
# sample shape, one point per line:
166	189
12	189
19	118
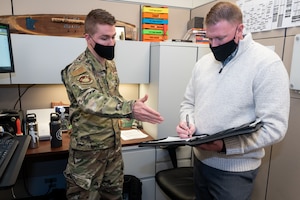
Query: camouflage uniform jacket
95	103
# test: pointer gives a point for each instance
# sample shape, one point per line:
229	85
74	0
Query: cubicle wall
284	174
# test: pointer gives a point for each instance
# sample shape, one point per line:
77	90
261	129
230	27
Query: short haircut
97	16
224	11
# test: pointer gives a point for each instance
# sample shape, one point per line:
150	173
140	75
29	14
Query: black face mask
107	52
223	51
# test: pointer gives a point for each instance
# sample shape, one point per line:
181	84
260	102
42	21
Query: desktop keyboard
7	149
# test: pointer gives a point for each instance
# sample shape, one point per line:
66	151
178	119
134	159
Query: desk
137	161
45	149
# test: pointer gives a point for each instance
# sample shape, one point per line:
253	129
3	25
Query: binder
205	138
154	21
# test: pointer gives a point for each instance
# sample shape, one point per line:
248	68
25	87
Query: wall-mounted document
204	138
265	15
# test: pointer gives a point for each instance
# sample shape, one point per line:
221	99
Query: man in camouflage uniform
95	165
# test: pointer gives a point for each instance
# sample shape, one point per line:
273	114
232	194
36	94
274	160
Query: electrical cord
3	133
13	193
21	95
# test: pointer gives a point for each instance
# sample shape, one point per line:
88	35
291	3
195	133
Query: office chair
177	182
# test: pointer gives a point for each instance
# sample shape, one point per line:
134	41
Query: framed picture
120	33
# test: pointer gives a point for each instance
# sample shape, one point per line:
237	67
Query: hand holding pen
185	129
187	120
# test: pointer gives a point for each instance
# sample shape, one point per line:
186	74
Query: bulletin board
265	15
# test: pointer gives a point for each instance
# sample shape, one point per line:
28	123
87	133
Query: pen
188	120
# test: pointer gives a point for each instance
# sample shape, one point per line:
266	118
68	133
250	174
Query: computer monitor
6	54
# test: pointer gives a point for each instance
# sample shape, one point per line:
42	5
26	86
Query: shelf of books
197	35
154	23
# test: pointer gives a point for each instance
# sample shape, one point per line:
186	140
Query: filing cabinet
139	161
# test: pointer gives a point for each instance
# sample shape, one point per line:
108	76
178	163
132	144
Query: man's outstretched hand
144	113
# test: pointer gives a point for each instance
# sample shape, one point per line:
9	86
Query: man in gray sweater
239	82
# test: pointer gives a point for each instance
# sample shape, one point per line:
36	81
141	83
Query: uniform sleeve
93	97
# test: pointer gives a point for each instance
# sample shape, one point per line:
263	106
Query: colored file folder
204	138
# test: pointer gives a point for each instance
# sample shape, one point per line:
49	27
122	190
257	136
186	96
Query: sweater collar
242	46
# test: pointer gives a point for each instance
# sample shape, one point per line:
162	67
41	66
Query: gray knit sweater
253	85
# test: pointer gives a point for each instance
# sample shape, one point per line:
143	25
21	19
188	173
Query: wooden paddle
56	25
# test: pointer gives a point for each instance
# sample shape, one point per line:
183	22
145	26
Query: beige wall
41	96
5	8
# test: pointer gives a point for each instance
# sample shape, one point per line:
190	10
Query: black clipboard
201	139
